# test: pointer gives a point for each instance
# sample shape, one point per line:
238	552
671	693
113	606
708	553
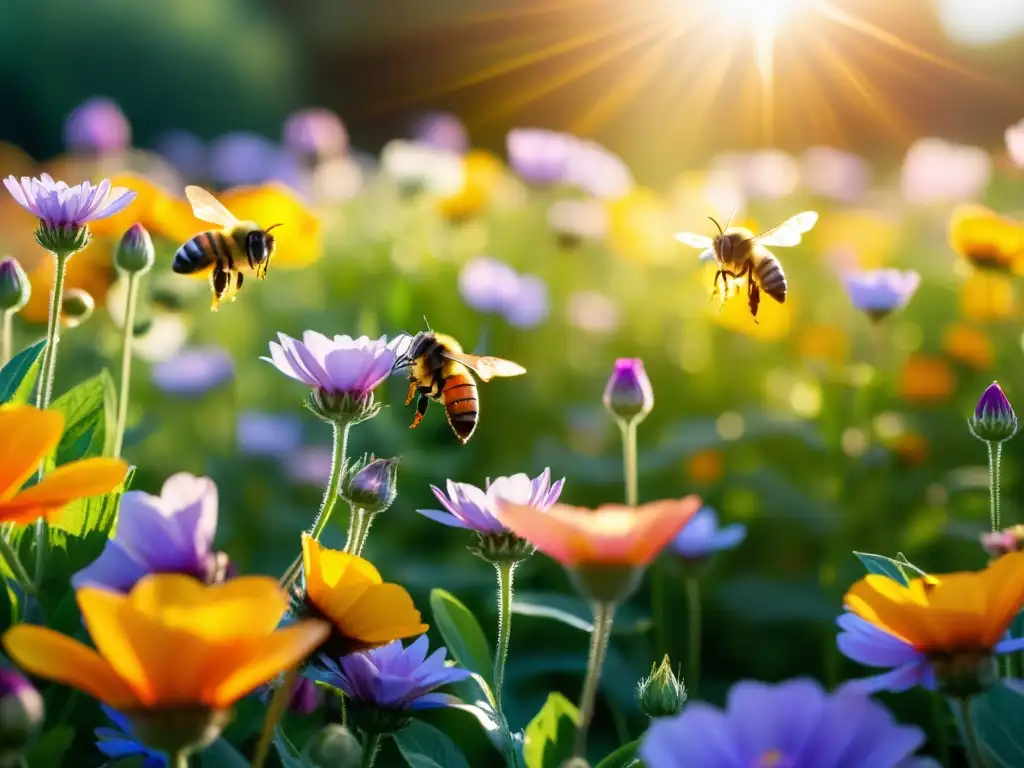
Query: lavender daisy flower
194	371
441	130
598	171
241	158
531	305
120	743
795	724
315	134
879	292
341	372
169	533
702	536
97	127
488	285
540	156
268	434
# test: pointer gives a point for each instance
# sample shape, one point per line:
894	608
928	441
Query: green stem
363	521
275	711
693	652
14	563
178	760
7	350
995	460
506	575
974	758
126	361
939	714
604	614
629	460
370	750
329	500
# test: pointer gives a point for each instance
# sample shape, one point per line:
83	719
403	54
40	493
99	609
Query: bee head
722	244
259	247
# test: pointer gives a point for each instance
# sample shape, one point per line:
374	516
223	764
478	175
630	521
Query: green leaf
574	612
549	736
902	560
221	754
18	377
884	566
462	633
623	757
424	746
51	748
94	514
998	716
89	413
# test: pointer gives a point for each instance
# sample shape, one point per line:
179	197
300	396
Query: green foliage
549	736
18	377
998	716
883	566
90	410
51	748
424	746
221	754
462	633
623	757
574	612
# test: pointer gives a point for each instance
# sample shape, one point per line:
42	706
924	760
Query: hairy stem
693	651
604	614
370	750
126	360
506	575
275	711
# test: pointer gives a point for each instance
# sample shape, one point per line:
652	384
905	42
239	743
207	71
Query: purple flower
540	156
477	510
57	205
598	171
531	304
441	130
994	419
15	288
702	537
993	403
120	743
393	677
488	285
999	543
185	151
21	712
97	126
341	366
169	533
628	393
794	724
866	644
194	371
315	133
881	291
268	434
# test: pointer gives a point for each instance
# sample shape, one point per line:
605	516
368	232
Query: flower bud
993	420
135	251
661	693
78	307
21	715
371	484
333	746
628	395
999	543
15	289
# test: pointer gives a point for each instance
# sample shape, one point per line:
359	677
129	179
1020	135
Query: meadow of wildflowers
681	539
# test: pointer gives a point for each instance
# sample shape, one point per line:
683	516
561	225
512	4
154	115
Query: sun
762	17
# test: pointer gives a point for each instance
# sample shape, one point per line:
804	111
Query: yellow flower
948	614
171	642
926	380
774	320
969	346
985	238
987	295
871	236
27	436
483	173
640	228
91	270
162	214
348	592
819	341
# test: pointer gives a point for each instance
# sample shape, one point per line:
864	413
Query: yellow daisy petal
28	434
385	613
335	580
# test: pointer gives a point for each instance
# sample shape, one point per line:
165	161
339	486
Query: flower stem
274	712
974	758
506	575
358	531
939	720
178	760
693	652
126	361
604	614
370	750
329	500
7	348
14	563
995	460
629	460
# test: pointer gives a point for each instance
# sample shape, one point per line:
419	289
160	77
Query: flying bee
740	253
225	252
439	370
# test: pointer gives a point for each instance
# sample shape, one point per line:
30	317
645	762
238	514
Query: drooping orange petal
386	612
557	536
51	655
27	434
657	525
263	660
335	580
77	480
1004	584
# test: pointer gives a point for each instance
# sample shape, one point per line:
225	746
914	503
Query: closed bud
78	307
135	251
371	484
15	289
661	693
994	420
333	746
628	395
21	715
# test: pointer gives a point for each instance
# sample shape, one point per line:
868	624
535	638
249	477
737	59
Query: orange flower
818	341
926	380
164	215
953	613
483	173
171	642
987	295
969	346
612	534
91	270
705	467
911	448
27	436
985	238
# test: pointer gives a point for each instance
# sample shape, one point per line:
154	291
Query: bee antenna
272	226
717	225
427	323
731	217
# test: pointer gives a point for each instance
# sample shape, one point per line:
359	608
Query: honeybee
740	253
439	370
225	252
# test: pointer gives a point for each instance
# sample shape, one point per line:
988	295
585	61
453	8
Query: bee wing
486	367
402	347
789	232
206	207
708	255
694	240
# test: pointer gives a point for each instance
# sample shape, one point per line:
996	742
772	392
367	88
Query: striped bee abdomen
772	279
201	251
461	405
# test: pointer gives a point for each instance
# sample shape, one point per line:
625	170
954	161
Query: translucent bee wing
486	367
789	232
206	207
708	255
694	240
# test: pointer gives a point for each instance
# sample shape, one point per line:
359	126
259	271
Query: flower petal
77	480
27	435
385	612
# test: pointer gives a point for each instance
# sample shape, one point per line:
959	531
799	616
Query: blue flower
194	371
881	291
702	536
119	743
268	434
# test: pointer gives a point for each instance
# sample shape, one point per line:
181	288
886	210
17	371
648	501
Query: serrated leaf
549	736
18	377
623	757
424	746
884	566
462	633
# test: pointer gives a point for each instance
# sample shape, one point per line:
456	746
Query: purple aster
57	205
628	394
702	536
339	366
97	126
794	724
120	743
185	151
315	133
541	156
392	677
598	171
268	434
441	130
993	403
194	371
476	510
881	291
169	533
994	419
241	158
488	285
531	305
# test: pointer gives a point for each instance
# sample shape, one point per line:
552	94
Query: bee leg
219	285
238	285
421	409
412	392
